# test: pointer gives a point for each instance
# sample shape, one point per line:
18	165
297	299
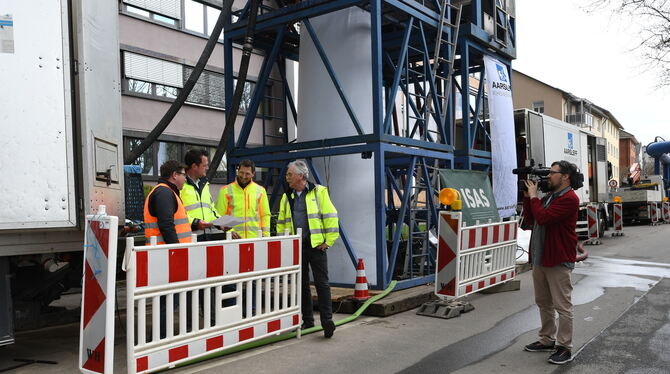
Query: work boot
539	347
561	356
307	325
328	329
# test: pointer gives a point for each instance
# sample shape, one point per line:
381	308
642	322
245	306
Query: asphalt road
621	326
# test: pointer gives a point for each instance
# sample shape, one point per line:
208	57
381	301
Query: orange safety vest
181	224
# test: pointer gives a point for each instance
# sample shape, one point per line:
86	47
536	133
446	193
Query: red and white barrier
472	258
593	224
244	290
652	210
96	335
617	210
666	212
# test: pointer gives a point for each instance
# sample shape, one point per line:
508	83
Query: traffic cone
361	287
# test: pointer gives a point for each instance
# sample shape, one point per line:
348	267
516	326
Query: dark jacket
560	221
163	205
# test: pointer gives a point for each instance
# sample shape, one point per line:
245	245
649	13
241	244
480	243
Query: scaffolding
428	110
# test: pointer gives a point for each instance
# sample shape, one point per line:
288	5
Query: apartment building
534	94
160	43
629	149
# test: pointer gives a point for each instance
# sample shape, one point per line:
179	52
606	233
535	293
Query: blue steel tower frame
403	36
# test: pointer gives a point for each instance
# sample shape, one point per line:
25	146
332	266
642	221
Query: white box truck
61	149
542	140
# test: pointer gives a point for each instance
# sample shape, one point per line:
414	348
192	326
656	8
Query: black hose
231	115
188	86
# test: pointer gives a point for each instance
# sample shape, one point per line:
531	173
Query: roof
602	111
626	135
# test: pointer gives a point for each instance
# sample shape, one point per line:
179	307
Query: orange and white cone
361	287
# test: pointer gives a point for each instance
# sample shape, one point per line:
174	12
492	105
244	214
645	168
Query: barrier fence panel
652	209
593	222
194	299
666	212
96	336
472	258
617	210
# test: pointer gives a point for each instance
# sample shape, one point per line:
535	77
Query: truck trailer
541	140
61	116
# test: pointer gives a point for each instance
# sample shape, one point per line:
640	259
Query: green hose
278	338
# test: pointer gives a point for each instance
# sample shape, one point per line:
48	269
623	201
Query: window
165	11
149	69
161	151
168	151
194	16
148	76
538	106
168	8
588	120
140	87
208	90
212	17
145	161
200	18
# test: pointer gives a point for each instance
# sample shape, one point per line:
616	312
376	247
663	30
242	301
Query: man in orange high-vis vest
164	214
165	217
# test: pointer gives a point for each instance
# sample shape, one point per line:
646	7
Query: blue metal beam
259	89
289	15
333	76
433	91
380	217
390	103
401	219
287	92
409	283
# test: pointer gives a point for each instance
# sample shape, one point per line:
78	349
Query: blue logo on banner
501	73
571	141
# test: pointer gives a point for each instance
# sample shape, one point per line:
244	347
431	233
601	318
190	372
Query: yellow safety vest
249	203
200	206
321	217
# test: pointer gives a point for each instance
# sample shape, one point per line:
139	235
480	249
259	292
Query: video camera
540	175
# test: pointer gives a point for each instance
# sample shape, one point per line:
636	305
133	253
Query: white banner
503	148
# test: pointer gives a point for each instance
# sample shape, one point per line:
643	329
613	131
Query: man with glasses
552	253
164	214
307	206
165	218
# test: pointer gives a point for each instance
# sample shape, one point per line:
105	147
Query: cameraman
552	252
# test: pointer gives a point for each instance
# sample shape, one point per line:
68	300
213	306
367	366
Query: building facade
160	43
536	95
629	149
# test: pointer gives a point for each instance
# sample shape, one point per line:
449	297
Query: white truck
544	139
61	149
635	199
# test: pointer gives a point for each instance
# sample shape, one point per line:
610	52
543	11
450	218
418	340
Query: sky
591	56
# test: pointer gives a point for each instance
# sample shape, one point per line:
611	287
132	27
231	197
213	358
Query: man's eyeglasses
180	172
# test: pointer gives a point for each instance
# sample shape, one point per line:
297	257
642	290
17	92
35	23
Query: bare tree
653	16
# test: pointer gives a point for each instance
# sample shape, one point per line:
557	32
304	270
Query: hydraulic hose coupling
452	198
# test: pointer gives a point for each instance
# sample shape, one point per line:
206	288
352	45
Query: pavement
622	316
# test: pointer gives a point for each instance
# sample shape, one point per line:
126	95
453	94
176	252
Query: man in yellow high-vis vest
196	195
245	199
307	206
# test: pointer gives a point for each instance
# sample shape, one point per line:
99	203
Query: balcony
583	120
